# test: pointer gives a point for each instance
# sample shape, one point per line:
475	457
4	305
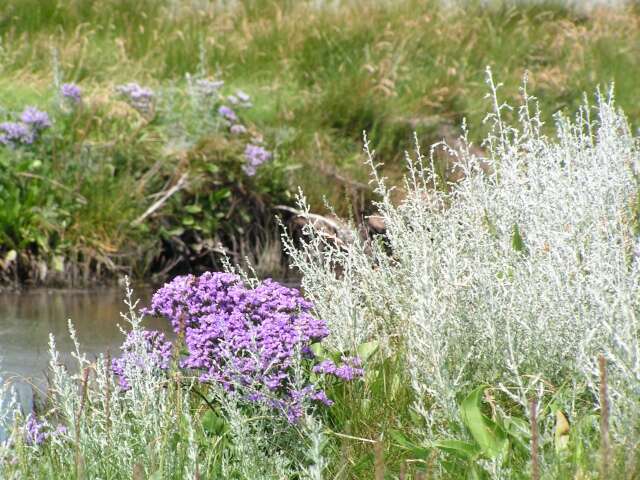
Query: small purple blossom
238	129
142	349
349	370
16	133
36	119
242	96
227	113
71	92
140	98
254	155
321	396
34	431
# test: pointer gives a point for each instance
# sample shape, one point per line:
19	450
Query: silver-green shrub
517	276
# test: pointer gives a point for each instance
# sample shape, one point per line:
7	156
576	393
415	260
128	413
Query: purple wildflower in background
36	119
243	97
140	98
238	129
240	98
34	431
143	349
16	133
71	92
228	114
254	156
248	340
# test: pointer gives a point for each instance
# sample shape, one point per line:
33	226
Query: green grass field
319	75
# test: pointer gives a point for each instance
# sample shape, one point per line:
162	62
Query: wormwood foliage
515	279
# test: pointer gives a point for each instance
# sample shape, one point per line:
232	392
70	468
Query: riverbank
158	179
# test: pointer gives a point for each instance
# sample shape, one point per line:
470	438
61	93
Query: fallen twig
179	185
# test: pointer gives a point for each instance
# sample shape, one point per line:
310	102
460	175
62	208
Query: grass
319	76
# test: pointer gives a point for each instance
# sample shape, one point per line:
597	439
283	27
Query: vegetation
495	321
319	74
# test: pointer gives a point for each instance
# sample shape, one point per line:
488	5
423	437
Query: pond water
26	319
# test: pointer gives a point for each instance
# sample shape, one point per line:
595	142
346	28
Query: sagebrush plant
515	278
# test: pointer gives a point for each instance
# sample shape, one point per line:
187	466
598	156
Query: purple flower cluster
349	370
249	340
241	99
15	133
238	129
32	122
37	432
34	431
71	92
36	119
227	113
254	155
143	349
140	98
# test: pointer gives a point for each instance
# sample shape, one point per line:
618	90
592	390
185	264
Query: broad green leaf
517	241
318	350
461	449
176	232
519	432
366	350
213	424
195	208
417	451
487	433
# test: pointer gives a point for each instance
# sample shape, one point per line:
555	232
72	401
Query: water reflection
26	320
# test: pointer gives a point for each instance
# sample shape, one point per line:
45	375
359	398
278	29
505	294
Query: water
26	319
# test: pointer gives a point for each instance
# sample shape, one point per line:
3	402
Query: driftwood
334	229
179	185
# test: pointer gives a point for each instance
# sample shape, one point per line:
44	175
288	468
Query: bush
516	279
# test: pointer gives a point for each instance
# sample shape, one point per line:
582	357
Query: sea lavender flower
15	133
238	129
34	431
36	119
255	155
242	96
228	114
140	98
71	92
349	370
249	340
143	349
